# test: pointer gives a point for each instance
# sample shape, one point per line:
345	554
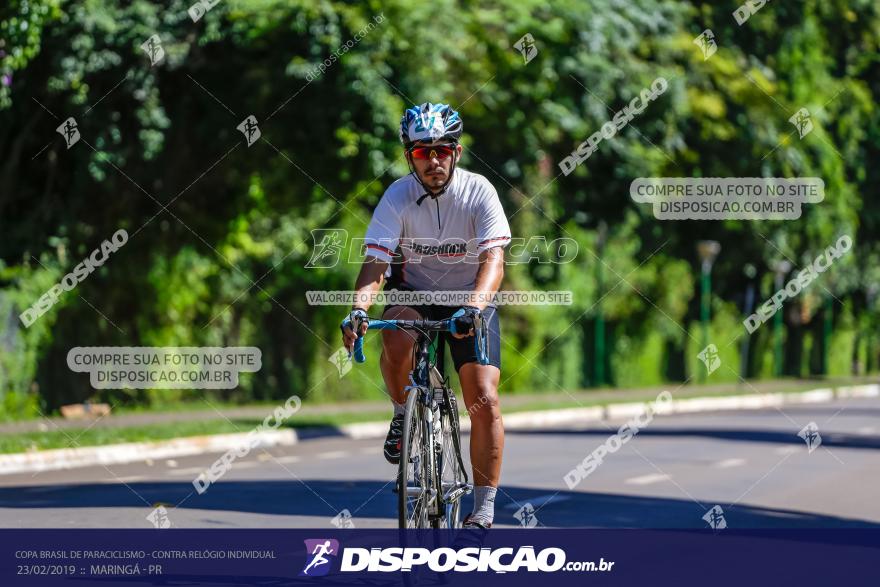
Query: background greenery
224	263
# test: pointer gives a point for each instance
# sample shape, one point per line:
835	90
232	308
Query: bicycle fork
424	463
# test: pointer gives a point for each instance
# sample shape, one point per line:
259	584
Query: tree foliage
220	232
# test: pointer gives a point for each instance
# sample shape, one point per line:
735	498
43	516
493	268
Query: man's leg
479	386
397	352
396	364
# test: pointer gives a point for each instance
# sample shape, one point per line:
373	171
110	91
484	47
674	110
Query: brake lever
358	350
481	339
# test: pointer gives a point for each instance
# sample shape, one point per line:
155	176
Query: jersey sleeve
384	230
492	228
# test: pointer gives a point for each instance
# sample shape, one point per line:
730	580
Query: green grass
31	441
98	435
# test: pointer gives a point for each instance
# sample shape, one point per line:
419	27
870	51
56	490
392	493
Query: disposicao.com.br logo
444	559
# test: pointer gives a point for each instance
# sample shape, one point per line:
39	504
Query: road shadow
816	411
829	439
371	499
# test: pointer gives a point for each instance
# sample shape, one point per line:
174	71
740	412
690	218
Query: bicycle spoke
415	498
452	474
415	504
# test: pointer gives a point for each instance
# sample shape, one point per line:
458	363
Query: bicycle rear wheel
413	490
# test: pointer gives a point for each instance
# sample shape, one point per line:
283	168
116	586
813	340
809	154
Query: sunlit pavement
751	463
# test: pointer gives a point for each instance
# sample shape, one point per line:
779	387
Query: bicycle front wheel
453	477
414	493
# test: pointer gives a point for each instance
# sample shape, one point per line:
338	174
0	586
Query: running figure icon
318	556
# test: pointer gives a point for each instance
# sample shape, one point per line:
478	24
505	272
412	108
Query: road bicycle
431	478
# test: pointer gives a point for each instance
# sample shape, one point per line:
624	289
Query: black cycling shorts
464	350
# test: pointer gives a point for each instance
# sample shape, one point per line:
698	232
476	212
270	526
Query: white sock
484	504
399	409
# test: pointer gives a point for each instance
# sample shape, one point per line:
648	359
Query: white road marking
171	463
290	459
728	463
788	450
189	471
647	479
333	454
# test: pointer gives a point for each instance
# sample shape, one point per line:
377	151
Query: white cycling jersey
434	245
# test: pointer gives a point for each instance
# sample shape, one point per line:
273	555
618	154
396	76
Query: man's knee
397	345
485	406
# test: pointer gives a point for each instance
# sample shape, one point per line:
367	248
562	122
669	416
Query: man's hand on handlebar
356	321
463	321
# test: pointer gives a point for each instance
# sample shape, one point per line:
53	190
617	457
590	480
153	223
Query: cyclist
440	228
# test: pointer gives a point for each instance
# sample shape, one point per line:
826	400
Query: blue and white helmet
430	122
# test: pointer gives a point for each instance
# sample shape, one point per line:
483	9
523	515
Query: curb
115	454
623	411
69	458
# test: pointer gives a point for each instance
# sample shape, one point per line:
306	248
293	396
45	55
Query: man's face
433	171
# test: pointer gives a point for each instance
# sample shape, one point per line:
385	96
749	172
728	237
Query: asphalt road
751	463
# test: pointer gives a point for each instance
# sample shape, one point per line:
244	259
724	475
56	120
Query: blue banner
740	558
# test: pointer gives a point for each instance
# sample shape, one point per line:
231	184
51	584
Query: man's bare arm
489	276
369	280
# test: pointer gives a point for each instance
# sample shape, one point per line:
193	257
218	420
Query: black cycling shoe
392	441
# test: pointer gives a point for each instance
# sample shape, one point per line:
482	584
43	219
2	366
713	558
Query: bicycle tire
412	513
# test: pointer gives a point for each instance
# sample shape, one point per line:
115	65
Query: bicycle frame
430	405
